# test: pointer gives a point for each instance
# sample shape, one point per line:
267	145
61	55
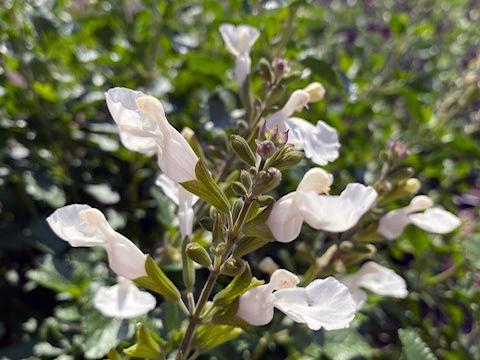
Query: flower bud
397	149
266	71
316	91
232	267
280	66
198	254
265	200
285	158
238	188
242	149
265	148
267	180
246	179
412	186
237	208
402	174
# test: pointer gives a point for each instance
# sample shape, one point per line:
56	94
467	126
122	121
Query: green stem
210	283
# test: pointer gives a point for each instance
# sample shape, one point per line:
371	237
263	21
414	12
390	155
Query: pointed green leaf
238	286
211	336
145	347
413	347
206	188
157	281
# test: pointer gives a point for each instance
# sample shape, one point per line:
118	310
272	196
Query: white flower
323	303
376	278
322	212
181	197
285	220
82	225
319	142
256	305
239	41
433	220
123	300
296	102
337	213
135	128
144	127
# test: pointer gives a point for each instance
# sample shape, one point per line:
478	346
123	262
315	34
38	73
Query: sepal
145	347
157	281
206	188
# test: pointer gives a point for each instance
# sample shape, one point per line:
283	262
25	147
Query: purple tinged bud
397	148
280	65
265	148
281	138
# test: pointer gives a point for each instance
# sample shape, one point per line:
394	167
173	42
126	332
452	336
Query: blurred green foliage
392	69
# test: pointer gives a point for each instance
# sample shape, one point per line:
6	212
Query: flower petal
238	39
255	306
336	213
285	221
125	258
391	225
320	143
123	301
323	303
169	187
381	280
68	225
133	125
377	279
242	69
435	220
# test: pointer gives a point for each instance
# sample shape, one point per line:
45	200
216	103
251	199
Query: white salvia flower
181	197
323	303
135	128
144	127
84	226
123	300
322	212
337	213
285	220
256	305
296	102
239	41
376	278
319	142
433	220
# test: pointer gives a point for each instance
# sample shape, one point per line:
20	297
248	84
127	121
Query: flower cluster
243	216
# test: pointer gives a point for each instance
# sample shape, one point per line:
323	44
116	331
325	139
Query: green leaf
227	315
211	336
103	334
145	347
322	70
413	347
345	345
157	281
472	250
206	188
114	355
239	285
